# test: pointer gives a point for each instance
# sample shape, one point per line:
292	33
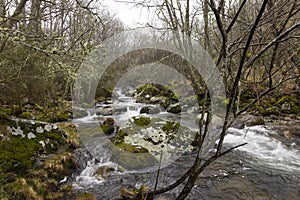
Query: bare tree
245	41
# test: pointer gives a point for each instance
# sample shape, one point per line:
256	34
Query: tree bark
35	17
13	19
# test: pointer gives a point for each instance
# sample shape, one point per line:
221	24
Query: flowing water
265	168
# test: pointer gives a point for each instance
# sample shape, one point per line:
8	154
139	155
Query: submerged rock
104	171
150	109
256	121
288	134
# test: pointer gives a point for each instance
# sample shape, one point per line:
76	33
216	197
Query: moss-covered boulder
255	121
108	126
62	112
276	103
174	108
86	196
155	94
104	171
151	109
34	157
140	142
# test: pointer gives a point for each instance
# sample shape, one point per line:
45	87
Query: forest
46	136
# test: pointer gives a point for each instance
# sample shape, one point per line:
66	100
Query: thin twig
157	175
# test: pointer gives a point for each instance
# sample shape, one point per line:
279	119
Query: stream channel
265	168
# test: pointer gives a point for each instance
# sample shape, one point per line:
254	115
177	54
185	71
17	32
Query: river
265	168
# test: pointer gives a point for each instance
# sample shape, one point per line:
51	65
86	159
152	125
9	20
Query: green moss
25	115
295	110
274	100
73	138
132	148
164	95
142	121
171	127
19	153
282	100
248	94
131	161
106	128
4	119
21	178
269	111
60	117
119	138
86	196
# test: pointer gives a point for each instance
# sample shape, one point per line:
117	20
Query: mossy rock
132	148
104	171
119	138
132	161
102	92
86	196
148	90
24	173
73	138
174	108
256	121
20	153
171	127
141	193
142	121
158	135
107	129
155	94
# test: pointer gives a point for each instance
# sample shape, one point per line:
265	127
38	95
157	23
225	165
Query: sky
128	13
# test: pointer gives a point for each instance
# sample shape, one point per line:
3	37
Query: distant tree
42	44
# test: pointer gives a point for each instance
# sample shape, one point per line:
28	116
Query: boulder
174	108
150	109
31	151
108	126
104	171
104	111
288	134
143	138
256	121
79	112
155	94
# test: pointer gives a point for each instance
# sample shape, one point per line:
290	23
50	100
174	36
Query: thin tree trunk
35	17
19	9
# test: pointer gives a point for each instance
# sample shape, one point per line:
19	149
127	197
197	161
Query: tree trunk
19	9
35	17
206	24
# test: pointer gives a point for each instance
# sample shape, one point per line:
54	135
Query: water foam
264	149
